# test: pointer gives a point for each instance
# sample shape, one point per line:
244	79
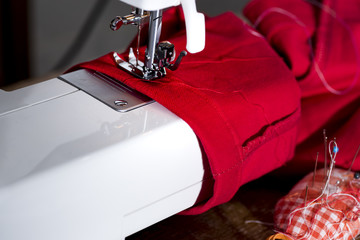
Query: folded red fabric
320	41
237	95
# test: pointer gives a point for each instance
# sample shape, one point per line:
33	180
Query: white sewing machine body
85	157
73	168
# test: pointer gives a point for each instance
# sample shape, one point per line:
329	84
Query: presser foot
158	55
138	69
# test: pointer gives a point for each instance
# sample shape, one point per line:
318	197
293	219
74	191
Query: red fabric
333	28
237	95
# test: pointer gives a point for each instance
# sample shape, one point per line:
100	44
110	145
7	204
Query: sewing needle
352	163
138	44
316	161
325	152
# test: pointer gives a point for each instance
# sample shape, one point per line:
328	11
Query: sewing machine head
159	55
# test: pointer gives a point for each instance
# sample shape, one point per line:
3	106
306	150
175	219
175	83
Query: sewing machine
85	157
158	56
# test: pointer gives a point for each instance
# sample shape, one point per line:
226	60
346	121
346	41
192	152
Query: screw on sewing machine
120	103
158	56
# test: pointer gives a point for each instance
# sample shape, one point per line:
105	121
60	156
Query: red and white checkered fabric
332	214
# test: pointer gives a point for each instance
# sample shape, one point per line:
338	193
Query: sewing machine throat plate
108	90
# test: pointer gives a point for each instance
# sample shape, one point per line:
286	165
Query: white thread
259	222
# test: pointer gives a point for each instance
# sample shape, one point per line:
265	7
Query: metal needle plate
111	92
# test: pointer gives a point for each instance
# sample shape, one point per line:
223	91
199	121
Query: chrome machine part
137	17
107	90
154	36
158	56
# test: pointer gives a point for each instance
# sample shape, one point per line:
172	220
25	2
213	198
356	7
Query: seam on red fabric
229	169
293	117
236	140
268	135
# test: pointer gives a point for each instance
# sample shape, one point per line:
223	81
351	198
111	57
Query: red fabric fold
237	95
318	38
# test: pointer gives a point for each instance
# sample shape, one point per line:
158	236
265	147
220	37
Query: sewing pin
306	194
352	163
325	152
316	161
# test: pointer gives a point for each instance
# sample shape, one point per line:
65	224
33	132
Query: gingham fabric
332	214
